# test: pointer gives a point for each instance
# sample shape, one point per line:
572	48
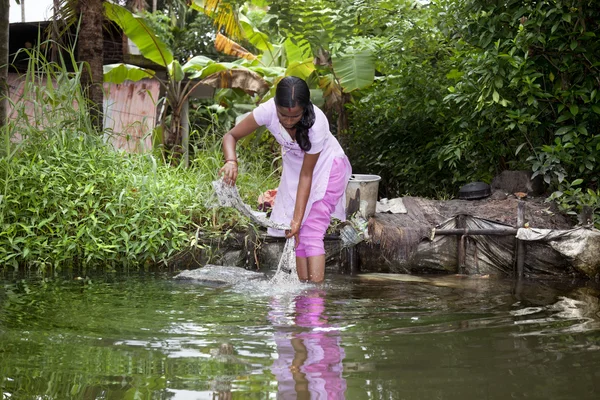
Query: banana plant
338	75
181	80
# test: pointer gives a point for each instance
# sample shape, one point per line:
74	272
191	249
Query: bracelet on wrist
232	161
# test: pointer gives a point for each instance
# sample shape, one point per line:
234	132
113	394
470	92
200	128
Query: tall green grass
68	199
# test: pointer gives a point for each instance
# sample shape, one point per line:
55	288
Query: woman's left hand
294	231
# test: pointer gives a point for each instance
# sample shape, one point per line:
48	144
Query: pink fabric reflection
309	361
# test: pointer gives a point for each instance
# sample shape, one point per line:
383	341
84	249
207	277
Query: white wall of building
35	10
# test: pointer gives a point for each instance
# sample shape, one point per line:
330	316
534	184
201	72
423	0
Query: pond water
152	337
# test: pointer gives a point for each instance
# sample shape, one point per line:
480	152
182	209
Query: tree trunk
185	132
4	93
55	31
91	51
342	121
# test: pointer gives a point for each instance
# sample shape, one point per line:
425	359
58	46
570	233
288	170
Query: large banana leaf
139	33
119	73
197	70
297	51
276	57
355	71
301	69
197	63
200	67
257	38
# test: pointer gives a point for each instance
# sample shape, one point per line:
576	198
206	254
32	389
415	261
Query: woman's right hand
229	171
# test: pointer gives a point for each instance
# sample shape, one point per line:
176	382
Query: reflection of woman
310	362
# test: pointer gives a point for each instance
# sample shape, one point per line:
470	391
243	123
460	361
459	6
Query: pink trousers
313	230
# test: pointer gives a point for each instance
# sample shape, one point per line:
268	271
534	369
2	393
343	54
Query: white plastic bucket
361	194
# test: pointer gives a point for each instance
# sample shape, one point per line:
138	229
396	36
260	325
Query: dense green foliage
463	90
69	199
486	86
187	32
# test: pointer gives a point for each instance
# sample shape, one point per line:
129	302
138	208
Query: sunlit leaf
119	73
175	71
297	52
563	130
257	38
577	182
301	69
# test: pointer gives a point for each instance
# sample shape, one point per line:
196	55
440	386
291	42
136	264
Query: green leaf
563	130
197	63
301	69
119	73
297	52
498	82
577	182
573	45
175	71
519	148
355	71
140	34
596	109
496	96
454	74
583	130
257	38
574	109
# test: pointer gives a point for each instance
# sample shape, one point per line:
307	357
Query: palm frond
224	13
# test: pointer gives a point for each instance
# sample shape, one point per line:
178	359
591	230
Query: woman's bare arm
244	128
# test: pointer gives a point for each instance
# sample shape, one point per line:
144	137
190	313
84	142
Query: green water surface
152	337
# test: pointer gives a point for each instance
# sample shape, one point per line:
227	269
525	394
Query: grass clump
68	199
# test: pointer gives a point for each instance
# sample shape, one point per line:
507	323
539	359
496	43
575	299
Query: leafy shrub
69	199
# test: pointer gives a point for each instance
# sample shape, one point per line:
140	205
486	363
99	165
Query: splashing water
286	274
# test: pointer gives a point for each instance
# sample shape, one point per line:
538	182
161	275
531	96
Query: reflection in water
451	338
581	308
309	363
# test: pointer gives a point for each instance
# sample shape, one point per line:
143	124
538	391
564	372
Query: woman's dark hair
291	92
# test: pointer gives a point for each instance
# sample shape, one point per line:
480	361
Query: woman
315	170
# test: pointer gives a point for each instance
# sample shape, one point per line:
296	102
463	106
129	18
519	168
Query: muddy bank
408	243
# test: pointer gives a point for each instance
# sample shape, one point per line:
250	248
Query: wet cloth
313	230
323	142
229	197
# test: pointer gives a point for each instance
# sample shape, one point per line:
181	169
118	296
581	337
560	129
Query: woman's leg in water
310	252
302	268
311	269
316	268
